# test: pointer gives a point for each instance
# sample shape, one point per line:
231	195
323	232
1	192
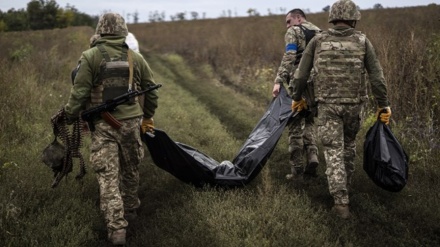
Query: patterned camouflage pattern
338	125
345	10
112	23
372	66
87	78
339	120
301	138
301	131
115	158
340	60
113	81
294	35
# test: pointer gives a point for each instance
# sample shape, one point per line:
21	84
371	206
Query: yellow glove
384	116
299	105
147	125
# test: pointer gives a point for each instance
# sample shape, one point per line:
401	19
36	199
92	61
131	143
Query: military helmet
344	10
111	23
53	155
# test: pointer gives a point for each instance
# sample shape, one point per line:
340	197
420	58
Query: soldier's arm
288	60
150	100
80	91
376	77
302	74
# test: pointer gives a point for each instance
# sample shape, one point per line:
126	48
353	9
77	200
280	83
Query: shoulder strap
130	68
309	34
107	57
104	53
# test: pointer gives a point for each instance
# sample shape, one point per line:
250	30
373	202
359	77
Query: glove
384	114
299	105
147	125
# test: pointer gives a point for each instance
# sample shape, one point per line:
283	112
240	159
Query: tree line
47	14
44	14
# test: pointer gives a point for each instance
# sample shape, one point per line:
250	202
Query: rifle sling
112	121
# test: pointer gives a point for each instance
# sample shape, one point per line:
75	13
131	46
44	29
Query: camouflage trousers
338	125
302	136
115	158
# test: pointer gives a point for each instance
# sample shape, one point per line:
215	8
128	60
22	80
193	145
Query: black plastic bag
194	167
385	161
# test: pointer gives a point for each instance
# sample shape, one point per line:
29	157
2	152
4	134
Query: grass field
211	99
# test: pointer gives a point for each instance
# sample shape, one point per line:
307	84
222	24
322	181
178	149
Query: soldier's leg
296	147
104	158
132	153
352	123
311	148
330	130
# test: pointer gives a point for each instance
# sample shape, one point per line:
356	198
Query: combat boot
296	174
312	163
130	215
296	162
117	237
342	211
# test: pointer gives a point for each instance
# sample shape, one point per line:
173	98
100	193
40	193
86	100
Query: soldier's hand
299	105
147	125
276	89
384	114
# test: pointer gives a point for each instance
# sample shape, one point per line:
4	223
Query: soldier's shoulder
136	55
359	33
321	35
311	26
361	36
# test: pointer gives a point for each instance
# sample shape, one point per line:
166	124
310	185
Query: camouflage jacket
87	78
312	58
295	43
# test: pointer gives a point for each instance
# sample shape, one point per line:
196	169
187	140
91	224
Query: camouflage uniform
115	158
115	153
301	130
340	57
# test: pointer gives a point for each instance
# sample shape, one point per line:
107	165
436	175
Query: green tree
42	14
16	20
3	26
65	18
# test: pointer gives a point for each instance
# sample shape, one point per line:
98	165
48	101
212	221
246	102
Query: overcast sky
206	8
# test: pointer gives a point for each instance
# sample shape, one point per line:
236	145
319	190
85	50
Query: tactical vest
339	68
114	78
309	34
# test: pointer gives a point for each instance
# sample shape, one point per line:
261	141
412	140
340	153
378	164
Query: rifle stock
105	108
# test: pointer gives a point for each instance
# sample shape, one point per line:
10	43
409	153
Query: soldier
339	57
301	130
108	69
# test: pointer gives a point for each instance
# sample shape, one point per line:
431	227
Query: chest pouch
116	76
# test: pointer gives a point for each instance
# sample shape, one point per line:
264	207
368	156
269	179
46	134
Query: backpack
309	34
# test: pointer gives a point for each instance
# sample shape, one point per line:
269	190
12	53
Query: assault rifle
110	105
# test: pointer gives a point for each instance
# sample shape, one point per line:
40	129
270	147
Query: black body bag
194	167
385	161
